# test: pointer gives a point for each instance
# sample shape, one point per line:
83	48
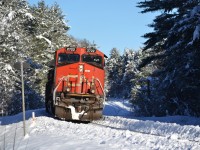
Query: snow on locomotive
75	87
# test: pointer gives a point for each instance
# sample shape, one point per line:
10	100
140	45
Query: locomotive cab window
94	60
64	58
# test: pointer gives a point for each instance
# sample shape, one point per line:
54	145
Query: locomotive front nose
78	89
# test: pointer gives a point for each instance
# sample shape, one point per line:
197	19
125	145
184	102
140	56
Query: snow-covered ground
119	130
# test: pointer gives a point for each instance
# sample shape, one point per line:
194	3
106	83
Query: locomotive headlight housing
68	89
92	88
81	68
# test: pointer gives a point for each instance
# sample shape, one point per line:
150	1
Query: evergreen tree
49	33
14	17
173	46
28	34
115	73
129	68
142	93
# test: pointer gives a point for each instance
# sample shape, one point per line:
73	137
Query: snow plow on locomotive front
75	87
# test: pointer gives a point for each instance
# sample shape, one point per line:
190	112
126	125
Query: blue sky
109	23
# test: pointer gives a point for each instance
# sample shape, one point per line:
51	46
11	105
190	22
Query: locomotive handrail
104	95
60	81
54	91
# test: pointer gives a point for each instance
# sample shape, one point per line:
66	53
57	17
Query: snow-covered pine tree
13	36
7	76
175	42
129	69
14	16
49	34
114	69
142	93
30	34
84	43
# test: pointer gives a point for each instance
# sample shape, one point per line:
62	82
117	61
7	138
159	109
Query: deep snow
118	130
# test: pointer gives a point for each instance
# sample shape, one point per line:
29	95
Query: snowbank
116	131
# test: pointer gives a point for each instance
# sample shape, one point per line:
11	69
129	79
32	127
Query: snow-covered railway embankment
165	130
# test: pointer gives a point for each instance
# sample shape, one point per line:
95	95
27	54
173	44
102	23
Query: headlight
68	89
92	88
80	68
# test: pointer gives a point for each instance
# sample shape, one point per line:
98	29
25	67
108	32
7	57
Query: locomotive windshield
93	60
64	58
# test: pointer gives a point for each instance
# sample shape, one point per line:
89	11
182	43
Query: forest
162	78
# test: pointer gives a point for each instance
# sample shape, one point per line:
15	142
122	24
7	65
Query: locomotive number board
71	49
90	50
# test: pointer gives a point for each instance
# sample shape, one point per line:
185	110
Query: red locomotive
75	87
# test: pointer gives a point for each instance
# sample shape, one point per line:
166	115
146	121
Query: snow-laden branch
42	37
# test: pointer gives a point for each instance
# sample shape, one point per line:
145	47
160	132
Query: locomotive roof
79	48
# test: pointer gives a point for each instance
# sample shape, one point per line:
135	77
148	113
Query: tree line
167	77
30	34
